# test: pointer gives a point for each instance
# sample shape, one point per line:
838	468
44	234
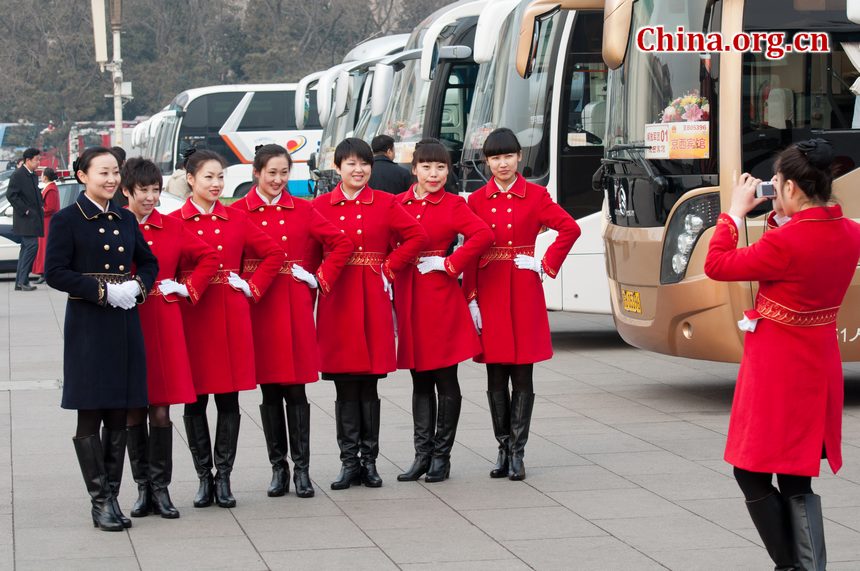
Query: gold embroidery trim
775	311
365	259
506	254
251	265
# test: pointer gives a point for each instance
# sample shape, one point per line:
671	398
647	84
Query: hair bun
257	148
188	152
819	152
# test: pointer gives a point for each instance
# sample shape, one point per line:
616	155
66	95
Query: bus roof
182	100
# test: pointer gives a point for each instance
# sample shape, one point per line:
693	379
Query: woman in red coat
218	326
284	332
787	409
355	327
506	283
51	200
168	373
431	343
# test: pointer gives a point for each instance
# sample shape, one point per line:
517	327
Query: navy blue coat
28	209
104	363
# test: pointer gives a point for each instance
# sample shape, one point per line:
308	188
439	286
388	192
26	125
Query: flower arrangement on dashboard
688	107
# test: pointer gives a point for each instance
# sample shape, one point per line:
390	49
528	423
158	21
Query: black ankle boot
226	441
370	443
200	445
348	420
299	421
522	405
771	519
446	431
423	422
138	458
113	443
500	412
161	470
275	431
91	460
807	524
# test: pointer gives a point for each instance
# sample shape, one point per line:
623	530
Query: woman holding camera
787	409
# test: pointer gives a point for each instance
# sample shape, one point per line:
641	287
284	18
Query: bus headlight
688	223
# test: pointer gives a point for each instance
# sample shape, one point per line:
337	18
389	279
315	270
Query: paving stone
454	542
620	503
582	554
354	559
235	552
675	531
506	524
324	532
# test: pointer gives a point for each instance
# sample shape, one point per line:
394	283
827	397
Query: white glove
167	287
303	275
131	287
386	285
431	264
476	315
524	262
120	296
238	283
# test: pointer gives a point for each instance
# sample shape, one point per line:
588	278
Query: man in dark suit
28	215
386	174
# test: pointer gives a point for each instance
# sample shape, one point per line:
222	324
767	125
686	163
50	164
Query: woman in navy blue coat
97	255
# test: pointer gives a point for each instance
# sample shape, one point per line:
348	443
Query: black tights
274	394
89	421
758	485
444	380
520	376
226	403
158	416
357	389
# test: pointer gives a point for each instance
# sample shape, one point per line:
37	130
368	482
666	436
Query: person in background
168	372
787	410
119	198
98	256
386	174
177	184
27	215
51	200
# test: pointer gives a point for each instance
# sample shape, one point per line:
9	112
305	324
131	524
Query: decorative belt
506	254
251	265
429	253
365	259
111	278
774	311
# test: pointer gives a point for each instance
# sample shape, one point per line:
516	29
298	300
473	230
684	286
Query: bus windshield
667	101
403	119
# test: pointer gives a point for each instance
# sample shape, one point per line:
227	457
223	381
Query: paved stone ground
624	472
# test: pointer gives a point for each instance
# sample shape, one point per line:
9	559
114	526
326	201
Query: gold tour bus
681	126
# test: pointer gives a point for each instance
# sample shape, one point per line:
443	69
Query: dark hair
119	153
50	174
264	153
808	164
430	151
82	163
501	141
195	159
352	147
30	153
382	144
140	172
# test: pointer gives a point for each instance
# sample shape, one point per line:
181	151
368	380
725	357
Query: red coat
51	198
511	300
218	327
789	393
355	330
428	336
168	371
285	341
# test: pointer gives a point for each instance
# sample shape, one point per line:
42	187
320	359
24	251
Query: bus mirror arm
598	178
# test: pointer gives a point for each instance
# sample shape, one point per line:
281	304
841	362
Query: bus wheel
242	190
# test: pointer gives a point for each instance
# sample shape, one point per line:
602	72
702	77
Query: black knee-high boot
348	420
771	519
138	458
443	442
423	423
522	405
200	445
807	523
91	460
370	443
113	443
500	412
161	470
275	431
226	441
299	421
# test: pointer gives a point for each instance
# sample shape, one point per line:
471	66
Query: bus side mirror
312	162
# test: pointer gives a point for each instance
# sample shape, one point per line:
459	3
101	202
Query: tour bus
83	134
559	115
233	120
682	127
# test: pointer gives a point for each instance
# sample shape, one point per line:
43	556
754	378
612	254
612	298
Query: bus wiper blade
634	151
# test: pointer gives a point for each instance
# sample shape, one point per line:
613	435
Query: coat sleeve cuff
450	269
324	285
141	297
547	269
386	269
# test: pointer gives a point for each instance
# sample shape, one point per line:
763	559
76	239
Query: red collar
432	198
817	213
253	200
364	197
189	210
155	219
518	189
